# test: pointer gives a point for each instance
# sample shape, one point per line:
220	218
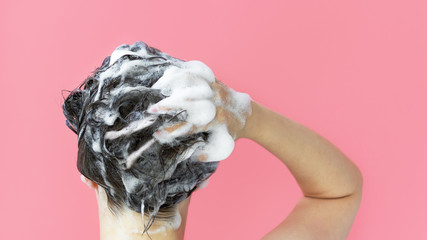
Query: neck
129	225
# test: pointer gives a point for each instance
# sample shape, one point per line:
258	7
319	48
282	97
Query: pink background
353	71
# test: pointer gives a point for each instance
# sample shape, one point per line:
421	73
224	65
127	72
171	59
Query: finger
201	90
202	157
200	69
131	128
168	134
177	114
189	151
218	147
175	79
158	109
221	90
174	127
166	82
199	112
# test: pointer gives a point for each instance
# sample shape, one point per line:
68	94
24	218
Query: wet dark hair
159	177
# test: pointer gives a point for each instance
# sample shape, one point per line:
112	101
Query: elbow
354	183
358	182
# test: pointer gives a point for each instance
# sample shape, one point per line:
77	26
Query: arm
331	183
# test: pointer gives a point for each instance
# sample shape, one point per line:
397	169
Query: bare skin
330	182
129	226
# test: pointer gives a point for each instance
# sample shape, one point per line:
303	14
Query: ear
91	184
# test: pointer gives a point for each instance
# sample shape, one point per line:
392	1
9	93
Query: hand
233	109
201	103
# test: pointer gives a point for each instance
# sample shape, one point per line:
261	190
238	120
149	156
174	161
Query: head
116	149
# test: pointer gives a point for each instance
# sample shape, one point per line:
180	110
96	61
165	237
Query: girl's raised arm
330	181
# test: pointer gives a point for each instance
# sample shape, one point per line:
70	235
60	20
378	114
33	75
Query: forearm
321	169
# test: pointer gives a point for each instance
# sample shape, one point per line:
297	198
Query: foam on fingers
164	136
199	112
219	146
187	87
